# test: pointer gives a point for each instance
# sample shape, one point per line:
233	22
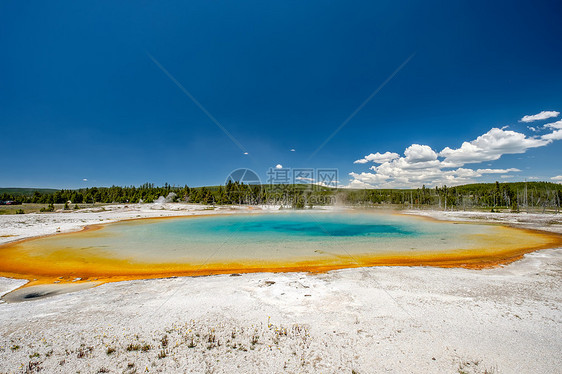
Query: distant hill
26	191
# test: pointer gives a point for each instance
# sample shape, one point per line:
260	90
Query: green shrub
49	208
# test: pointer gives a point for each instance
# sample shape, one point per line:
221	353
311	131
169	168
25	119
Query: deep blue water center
321	228
287	226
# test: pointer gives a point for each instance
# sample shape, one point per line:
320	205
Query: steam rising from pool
168	199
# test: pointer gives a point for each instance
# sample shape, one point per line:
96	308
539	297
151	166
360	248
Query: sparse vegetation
49	208
254	340
133	347
33	367
84	351
474	367
195	340
191	344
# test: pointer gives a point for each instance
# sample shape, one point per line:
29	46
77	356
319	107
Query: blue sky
80	97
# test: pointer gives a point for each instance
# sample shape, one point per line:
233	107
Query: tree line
513	196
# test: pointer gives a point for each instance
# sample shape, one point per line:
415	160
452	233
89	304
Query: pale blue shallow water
266	236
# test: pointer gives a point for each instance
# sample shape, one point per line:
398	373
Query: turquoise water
287	227
278	237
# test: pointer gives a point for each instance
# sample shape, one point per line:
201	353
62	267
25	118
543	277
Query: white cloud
292	150
419	153
278	166
369	178
392	175
555	135
356	183
85	179
496	171
533	129
420	164
332	184
545	114
554	125
491	146
557	178
378	158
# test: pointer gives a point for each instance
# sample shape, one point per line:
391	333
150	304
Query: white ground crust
16	227
383	319
547	222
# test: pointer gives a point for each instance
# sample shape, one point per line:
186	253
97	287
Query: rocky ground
366	320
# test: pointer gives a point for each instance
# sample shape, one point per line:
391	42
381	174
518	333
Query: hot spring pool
301	241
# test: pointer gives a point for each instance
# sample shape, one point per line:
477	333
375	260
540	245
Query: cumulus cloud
378	158
419	153
331	184
554	125
555	135
357	184
545	114
557	178
278	166
397	178
85	179
496	171
420	164
369	178
491	146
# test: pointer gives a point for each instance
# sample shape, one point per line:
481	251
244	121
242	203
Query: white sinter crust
383	319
